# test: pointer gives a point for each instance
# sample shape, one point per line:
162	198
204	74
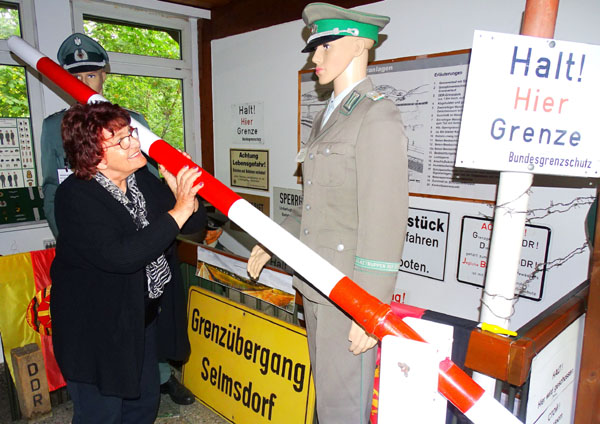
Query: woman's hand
184	190
170	179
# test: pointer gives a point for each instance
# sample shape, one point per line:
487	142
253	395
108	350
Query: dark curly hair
81	131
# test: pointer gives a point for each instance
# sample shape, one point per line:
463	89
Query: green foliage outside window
160	100
9	22
126	38
13	89
13	92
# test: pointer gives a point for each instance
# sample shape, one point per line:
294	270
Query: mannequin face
332	59
93	79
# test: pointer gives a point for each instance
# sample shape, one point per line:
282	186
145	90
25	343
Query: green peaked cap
328	22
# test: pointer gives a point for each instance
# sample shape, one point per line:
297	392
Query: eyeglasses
125	142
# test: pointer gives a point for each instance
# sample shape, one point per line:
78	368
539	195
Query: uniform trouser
164	370
343	381
92	407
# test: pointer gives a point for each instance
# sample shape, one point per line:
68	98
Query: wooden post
587	410
30	380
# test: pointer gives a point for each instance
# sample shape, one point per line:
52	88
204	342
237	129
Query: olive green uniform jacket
354	215
355	183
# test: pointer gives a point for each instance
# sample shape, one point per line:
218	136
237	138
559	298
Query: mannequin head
85	58
343	61
341	39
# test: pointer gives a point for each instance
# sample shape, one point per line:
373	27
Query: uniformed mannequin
87	60
355	183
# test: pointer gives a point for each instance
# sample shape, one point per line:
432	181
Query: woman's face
119	162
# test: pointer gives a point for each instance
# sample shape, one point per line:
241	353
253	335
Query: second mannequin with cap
86	59
355	192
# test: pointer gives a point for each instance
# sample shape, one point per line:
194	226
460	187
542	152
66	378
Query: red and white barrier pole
376	317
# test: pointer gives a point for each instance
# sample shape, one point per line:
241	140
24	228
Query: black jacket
98	282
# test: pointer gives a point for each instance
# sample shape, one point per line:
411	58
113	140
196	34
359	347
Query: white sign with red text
474	250
530	106
247	123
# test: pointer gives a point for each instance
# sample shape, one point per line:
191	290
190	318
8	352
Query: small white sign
408	386
425	243
530	106
286	202
475	247
554	377
247	123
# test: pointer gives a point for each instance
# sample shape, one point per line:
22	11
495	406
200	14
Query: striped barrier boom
375	316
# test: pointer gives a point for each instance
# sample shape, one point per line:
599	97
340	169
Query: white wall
262	66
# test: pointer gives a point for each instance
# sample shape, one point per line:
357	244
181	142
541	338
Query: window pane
158	99
13	92
9	21
131	38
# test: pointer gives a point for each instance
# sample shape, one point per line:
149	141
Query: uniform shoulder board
374	95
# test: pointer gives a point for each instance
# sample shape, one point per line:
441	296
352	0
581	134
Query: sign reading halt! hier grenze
245	365
530	106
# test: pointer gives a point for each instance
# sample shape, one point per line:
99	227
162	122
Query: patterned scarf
157	271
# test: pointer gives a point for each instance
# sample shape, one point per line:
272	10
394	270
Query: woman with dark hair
117	293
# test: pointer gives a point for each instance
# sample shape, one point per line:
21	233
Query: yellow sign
247	366
249	168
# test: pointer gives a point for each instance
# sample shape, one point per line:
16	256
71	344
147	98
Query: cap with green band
328	22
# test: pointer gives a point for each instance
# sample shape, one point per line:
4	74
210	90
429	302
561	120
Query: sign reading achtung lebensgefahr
247	366
249	168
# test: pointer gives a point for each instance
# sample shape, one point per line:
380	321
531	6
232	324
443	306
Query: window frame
34	85
185	69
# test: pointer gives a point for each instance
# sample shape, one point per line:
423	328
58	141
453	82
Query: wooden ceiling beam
241	16
202	4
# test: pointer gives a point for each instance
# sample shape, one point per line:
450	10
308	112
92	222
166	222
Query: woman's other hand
184	190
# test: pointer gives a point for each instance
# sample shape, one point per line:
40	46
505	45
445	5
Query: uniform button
307	207
311	156
306	231
309	182
327	150
340	247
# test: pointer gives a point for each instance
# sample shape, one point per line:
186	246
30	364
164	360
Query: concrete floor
169	412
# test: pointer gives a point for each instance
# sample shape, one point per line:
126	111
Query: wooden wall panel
242	16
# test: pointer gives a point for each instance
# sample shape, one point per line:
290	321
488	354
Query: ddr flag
25	308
